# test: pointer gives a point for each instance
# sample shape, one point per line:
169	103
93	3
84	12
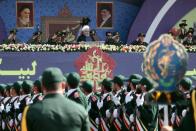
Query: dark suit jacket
56	113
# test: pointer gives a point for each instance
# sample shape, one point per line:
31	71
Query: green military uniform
55	112
189	121
76	94
147	113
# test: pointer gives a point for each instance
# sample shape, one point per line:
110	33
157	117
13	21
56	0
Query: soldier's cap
73	78
27	84
17	86
186	83
147	83
87	85
52	75
119	80
183	23
8	86
37	83
66	75
2	87
14	31
135	78
141	35
107	82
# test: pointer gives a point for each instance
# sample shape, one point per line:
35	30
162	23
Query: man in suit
106	17
55	112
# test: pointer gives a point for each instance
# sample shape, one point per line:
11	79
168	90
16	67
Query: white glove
108	114
1	107
173	118
100	104
131	118
184	113
3	125
116	101
16	122
115	113
140	100
28	102
11	122
88	107
8	107
128	98
16	105
97	121
20	116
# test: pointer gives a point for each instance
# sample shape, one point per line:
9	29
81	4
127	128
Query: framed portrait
24	14
52	24
104	15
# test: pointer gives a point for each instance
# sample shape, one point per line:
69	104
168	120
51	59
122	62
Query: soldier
37	92
36	38
11	38
74	93
181	97
140	40
119	101
130	100
147	114
10	107
87	88
189	121
55	112
105	105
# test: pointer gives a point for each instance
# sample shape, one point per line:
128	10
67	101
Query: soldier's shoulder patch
94	98
108	98
76	95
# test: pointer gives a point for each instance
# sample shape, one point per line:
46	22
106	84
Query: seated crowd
64	102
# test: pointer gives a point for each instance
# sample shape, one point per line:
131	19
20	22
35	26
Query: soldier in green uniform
74	93
105	104
55	112
147	114
87	88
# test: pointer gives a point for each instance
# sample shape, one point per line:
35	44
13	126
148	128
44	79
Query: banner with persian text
16	66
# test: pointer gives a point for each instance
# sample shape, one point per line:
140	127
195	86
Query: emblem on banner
95	65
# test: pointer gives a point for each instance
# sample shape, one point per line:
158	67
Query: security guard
55	112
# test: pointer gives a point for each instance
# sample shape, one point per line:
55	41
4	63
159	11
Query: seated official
116	38
85	34
140	40
55	39
108	40
36	38
11	38
93	35
188	40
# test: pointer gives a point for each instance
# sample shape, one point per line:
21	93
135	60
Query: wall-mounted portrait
104	14
24	14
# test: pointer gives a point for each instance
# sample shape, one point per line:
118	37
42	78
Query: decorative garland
68	48
76	48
